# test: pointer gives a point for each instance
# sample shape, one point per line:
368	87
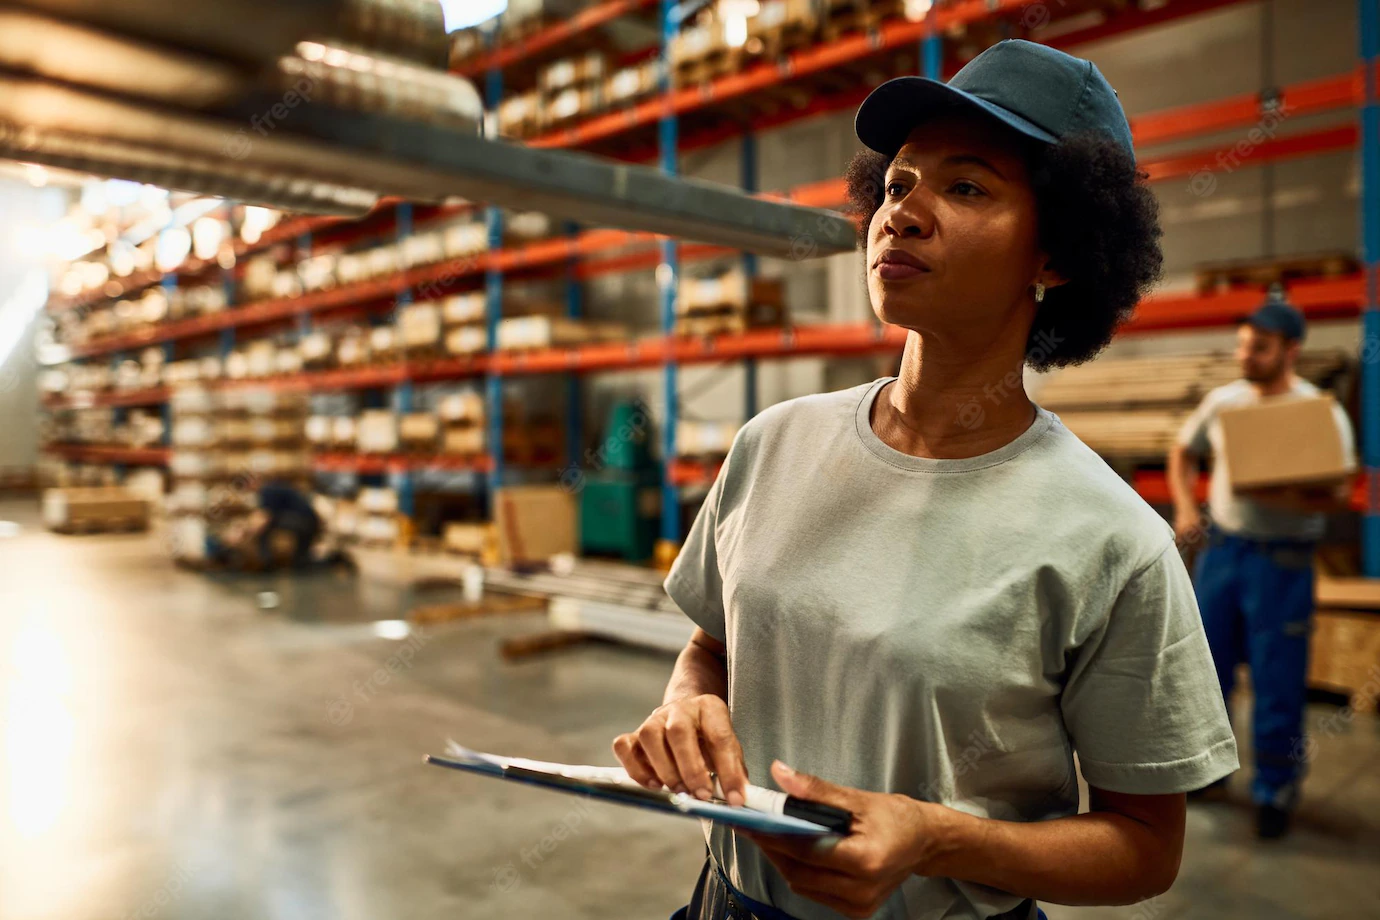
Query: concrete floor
172	750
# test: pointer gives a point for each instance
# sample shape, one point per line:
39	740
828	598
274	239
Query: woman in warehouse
919	598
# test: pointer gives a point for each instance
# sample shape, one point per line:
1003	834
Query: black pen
838	820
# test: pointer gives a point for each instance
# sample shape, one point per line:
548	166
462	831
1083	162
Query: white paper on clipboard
734	815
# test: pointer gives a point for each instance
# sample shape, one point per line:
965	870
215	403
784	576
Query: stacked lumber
1214	277
1132	408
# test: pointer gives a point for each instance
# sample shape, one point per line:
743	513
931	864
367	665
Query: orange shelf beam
686	472
550	37
1153	486
100	453
151	396
377	464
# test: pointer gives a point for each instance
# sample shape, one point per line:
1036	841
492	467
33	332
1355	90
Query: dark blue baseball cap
1278	315
1039	91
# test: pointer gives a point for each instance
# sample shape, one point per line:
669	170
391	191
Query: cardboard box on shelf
554	331
316	349
419	325
463	440
571	71
572	102
419	430
1284	442
463	308
353	349
318	430
467	406
535	523
467	340
630	84
383	343
376	432
343	432
733	290
377	501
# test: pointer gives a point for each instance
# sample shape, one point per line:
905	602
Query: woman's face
954	247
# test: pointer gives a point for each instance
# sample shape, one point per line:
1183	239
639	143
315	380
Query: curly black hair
1098	222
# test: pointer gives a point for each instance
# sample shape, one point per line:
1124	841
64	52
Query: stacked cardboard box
571	89
99	510
420	329
376	431
731	302
377	521
226	443
630	85
462	418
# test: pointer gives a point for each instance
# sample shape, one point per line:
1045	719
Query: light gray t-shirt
954	630
1202	433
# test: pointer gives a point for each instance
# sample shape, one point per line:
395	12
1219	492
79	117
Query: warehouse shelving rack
682	119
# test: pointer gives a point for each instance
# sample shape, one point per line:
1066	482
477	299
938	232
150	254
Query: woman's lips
898	265
898	271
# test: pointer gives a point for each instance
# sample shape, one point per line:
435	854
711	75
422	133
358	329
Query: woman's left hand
893	837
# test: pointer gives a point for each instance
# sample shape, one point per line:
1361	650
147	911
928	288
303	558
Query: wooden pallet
718	62
492	603
842	17
729	319
1219	276
83	526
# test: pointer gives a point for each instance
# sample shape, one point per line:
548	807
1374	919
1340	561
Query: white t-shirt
1202	433
953	630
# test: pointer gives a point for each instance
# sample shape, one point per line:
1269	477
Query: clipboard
606	784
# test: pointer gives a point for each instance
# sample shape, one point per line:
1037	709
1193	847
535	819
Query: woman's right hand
680	743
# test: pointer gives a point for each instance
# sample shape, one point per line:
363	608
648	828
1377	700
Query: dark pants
1256	599
715	898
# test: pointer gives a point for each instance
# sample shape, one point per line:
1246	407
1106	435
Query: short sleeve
1194	433
695	583
1347	434
1142	703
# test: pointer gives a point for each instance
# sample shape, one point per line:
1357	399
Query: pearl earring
1039	292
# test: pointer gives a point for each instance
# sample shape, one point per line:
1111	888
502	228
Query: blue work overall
1256	600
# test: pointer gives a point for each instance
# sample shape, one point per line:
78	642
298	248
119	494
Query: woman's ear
1049	277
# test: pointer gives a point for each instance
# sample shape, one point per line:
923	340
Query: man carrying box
1282	457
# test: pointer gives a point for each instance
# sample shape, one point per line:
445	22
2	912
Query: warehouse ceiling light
461	14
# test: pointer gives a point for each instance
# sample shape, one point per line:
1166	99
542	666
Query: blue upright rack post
1369	22
304	252
574	308
932	56
493	308
667	277
403	482
748	168
169	351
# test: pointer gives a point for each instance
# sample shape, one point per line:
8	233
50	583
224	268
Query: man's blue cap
1039	91
1278	315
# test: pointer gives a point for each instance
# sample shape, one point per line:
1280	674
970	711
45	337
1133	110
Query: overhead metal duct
142	89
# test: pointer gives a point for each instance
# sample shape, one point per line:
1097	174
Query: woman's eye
966	188
895	189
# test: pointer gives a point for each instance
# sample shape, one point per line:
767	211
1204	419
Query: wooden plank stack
1214	277
1131	409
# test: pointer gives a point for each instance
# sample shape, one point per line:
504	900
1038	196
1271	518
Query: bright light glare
461	14
735	31
391	629
39	729
17	312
